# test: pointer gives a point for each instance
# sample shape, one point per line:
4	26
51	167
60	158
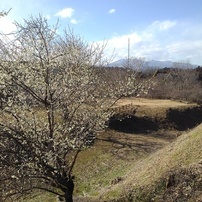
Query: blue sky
158	29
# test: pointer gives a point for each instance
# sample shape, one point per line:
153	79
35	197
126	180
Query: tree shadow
131	147
184	119
147	134
133	124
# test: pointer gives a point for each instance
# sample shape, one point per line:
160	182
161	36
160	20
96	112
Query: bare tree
4	13
52	106
179	82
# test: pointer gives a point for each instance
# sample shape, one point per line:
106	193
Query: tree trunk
69	191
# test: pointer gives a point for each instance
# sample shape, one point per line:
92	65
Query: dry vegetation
141	167
155	165
179	83
152	107
170	174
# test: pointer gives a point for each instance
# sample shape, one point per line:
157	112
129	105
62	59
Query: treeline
184	84
178	84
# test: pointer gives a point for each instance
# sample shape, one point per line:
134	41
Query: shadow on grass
133	124
128	144
185	118
180	119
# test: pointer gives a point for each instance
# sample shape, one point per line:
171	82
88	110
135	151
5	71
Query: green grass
39	197
98	168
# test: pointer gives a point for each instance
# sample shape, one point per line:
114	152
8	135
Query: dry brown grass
120	162
182	153
154	103
152	107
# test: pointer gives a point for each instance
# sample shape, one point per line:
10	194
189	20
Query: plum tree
54	100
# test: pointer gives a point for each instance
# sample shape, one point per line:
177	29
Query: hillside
173	173
138	163
151	152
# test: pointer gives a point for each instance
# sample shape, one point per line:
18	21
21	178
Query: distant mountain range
150	63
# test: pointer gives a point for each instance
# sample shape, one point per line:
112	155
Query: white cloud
119	44
158	41
6	25
48	17
74	21
185	49
122	41
163	25
65	13
112	11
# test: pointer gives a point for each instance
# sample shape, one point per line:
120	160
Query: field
153	103
152	154
152	107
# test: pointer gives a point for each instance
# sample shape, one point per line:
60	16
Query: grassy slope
113	155
184	153
122	165
143	175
